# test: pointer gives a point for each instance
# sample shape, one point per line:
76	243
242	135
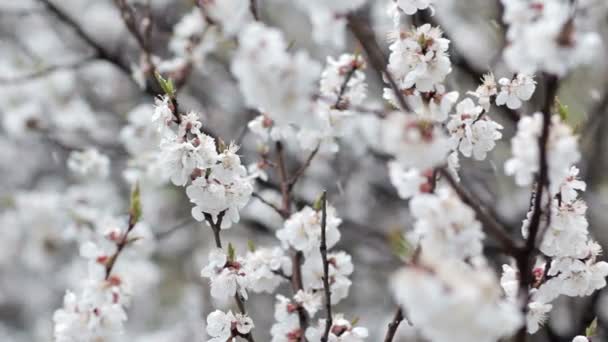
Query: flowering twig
365	35
323	249
134	216
525	258
216	228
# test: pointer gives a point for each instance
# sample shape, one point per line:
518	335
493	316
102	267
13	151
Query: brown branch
294	179
393	325
279	211
323	250
365	35
525	260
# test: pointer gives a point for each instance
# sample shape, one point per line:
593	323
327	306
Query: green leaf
399	245
591	329
562	110
231	253
318	203
167	85
135	205
251	245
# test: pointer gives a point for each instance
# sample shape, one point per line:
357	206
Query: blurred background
66	83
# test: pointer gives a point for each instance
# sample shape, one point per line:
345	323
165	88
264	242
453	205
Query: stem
393	325
294	179
323	249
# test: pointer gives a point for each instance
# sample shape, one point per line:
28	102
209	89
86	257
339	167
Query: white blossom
513	92
420	58
341	331
224	187
414	143
222	326
227	277
472	132
89	163
448	300
262	267
446	226
272	80
412	6
302	230
562	150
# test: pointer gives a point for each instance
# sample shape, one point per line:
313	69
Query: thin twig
294	179
216	227
393	325
279	211
323	249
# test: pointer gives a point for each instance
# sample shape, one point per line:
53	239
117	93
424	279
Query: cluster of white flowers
446	226
219	183
230	15
259	271
302	231
415	143
272	80
225	326
341	330
448	300
568	264
471	132
193	36
96	311
512	92
547	36
329	18
419	58
342	87
89	163
562	150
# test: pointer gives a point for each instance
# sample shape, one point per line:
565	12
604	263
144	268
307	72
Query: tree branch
323	250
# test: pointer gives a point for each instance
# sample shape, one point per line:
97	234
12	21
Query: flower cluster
449	300
219	183
546	36
97	310
568	264
562	150
419	58
271	79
